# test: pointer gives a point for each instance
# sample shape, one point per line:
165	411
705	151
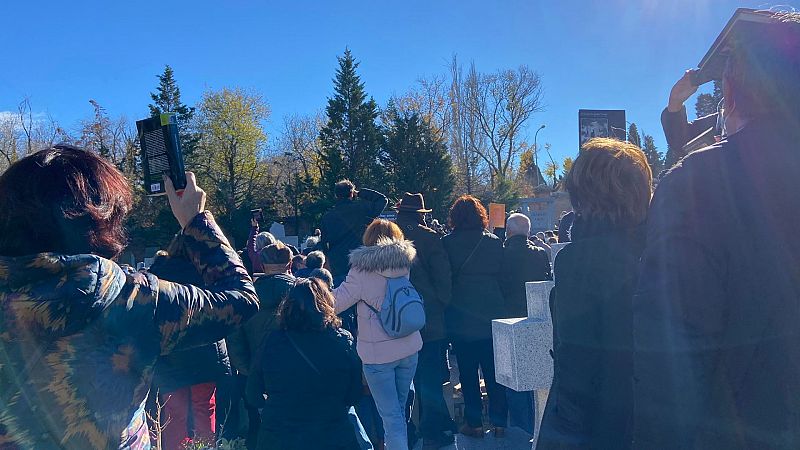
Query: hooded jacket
80	336
366	285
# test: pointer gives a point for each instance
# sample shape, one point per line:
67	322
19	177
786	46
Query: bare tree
429	98
25	115
24	132
108	137
300	139
466	141
502	103
9	140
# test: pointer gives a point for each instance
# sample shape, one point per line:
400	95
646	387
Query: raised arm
677	128
679	131
187	315
374	200
255	261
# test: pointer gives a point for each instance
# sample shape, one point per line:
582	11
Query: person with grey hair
314	260
310	245
522	262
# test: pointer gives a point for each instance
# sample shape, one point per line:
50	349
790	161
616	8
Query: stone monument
522	348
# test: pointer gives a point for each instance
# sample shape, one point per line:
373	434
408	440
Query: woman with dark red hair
79	335
476	256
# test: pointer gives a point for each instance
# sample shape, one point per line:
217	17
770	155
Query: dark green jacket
522	262
476	258
430	274
80	336
245	342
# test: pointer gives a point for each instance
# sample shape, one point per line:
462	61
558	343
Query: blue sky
611	54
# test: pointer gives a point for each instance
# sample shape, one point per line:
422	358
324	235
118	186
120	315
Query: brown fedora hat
412	203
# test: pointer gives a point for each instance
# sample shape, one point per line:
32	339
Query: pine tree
670	158
417	160
654	157
707	103
167	99
633	135
351	141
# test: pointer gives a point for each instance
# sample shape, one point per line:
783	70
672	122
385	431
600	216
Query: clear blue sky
611	54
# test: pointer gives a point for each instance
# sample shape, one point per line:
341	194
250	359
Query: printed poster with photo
594	123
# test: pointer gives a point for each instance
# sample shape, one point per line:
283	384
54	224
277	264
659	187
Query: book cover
161	153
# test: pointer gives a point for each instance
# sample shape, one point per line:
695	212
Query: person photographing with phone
716	361
79	334
678	130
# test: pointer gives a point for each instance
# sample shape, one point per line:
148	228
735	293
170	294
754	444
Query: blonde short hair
381	228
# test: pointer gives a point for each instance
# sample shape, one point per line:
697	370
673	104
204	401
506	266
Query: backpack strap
377	312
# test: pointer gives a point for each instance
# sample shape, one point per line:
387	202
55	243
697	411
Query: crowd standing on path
672	327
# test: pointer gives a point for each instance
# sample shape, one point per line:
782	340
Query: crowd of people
672	327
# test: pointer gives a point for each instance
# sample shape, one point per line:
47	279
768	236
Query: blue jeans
389	384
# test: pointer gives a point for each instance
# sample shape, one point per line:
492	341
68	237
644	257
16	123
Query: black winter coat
244	343
590	401
342	227
679	131
203	364
430	274
476	258
306	407
522	262
716	332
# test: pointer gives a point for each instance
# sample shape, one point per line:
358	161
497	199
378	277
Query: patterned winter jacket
79	337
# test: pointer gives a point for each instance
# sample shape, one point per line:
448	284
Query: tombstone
291	240
278	230
522	348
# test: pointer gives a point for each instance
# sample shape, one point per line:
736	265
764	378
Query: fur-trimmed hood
389	257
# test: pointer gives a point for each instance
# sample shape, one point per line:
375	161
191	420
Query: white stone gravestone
278	230
522	348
